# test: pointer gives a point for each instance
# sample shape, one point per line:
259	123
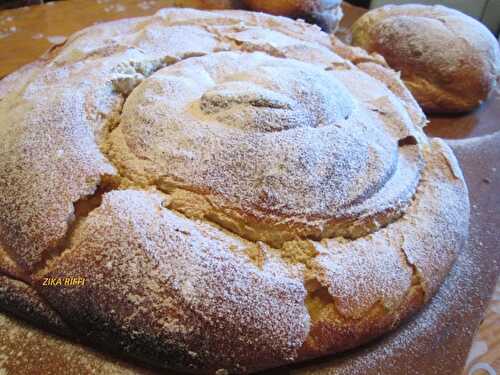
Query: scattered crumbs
5	20
38	36
12	29
56	39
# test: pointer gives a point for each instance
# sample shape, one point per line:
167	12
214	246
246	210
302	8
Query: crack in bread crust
260	212
156	246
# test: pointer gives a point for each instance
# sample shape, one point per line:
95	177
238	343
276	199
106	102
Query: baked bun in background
239	191
325	13
448	60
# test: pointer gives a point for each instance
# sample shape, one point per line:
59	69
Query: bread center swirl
271	149
261	100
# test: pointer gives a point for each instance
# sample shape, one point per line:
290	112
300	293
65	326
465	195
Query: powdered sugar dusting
56	39
21	345
178	277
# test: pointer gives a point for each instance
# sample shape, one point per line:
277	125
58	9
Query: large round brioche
448	60
237	191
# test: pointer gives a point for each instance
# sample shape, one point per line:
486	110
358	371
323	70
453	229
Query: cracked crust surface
239	191
448	60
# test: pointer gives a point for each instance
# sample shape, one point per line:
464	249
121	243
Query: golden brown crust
176	292
448	60
21	300
187	263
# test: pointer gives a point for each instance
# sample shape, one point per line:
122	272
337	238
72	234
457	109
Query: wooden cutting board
437	341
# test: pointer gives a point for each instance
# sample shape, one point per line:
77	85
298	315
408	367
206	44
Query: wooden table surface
26	33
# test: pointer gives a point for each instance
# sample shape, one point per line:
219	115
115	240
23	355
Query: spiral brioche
325	13
238	191
449	61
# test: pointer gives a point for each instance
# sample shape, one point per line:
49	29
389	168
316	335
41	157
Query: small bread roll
448	60
325	13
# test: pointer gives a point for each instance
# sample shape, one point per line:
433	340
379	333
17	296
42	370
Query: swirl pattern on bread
238	191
